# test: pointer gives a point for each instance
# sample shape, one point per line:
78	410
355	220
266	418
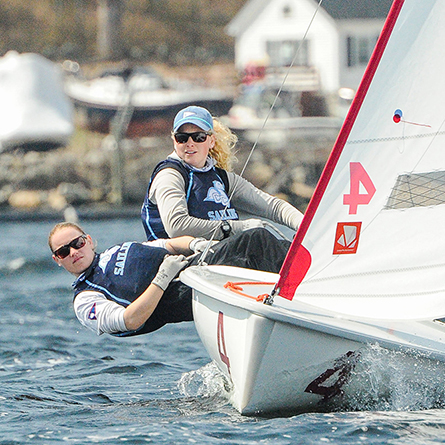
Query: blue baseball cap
194	115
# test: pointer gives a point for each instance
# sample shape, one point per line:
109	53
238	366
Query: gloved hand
198	245
252	223
168	270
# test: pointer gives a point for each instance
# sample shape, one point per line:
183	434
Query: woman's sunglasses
199	136
76	243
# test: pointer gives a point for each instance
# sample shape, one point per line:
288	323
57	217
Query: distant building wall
282	23
338	49
357	42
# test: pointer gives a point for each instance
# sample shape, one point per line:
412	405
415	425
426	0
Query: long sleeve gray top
168	192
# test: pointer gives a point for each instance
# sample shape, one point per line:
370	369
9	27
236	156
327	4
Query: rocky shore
87	175
95	180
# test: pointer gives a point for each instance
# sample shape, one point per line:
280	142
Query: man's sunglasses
76	243
199	136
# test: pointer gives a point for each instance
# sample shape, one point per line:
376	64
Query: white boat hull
252	345
152	103
281	360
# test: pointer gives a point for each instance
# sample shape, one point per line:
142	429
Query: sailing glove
168	270
198	245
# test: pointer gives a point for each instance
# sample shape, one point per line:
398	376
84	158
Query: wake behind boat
366	263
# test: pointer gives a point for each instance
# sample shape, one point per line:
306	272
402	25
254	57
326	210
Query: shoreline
94	212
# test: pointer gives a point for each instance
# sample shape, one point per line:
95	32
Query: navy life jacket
206	195
123	272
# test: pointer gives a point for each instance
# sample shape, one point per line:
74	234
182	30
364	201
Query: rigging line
281	87
437	133
397	138
202	259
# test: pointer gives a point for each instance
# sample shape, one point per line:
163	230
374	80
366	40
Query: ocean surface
60	383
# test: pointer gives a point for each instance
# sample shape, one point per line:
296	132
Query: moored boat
152	101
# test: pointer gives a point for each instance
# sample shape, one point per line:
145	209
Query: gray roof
337	9
357	9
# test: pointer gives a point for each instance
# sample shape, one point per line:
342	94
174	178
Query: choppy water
62	384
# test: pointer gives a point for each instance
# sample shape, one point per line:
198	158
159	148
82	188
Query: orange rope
236	287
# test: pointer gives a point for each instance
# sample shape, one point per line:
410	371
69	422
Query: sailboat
367	264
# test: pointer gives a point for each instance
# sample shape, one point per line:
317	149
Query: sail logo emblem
346	237
217	194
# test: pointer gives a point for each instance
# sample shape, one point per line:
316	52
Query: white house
338	42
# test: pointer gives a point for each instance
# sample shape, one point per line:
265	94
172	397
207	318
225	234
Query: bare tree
109	38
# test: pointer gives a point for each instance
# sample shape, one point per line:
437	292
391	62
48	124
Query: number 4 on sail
354	198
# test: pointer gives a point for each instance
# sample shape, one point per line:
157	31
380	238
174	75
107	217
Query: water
63	384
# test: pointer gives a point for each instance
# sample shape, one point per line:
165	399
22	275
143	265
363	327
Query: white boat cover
33	105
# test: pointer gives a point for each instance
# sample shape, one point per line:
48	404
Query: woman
128	289
193	190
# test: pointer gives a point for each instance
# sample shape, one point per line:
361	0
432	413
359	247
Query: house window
282	53
359	50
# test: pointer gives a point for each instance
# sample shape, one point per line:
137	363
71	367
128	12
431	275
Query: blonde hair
60	226
225	142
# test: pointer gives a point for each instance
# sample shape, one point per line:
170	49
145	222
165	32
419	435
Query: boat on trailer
366	265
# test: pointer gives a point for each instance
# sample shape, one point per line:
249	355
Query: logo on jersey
219	215
347	237
105	257
92	313
121	258
217	194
